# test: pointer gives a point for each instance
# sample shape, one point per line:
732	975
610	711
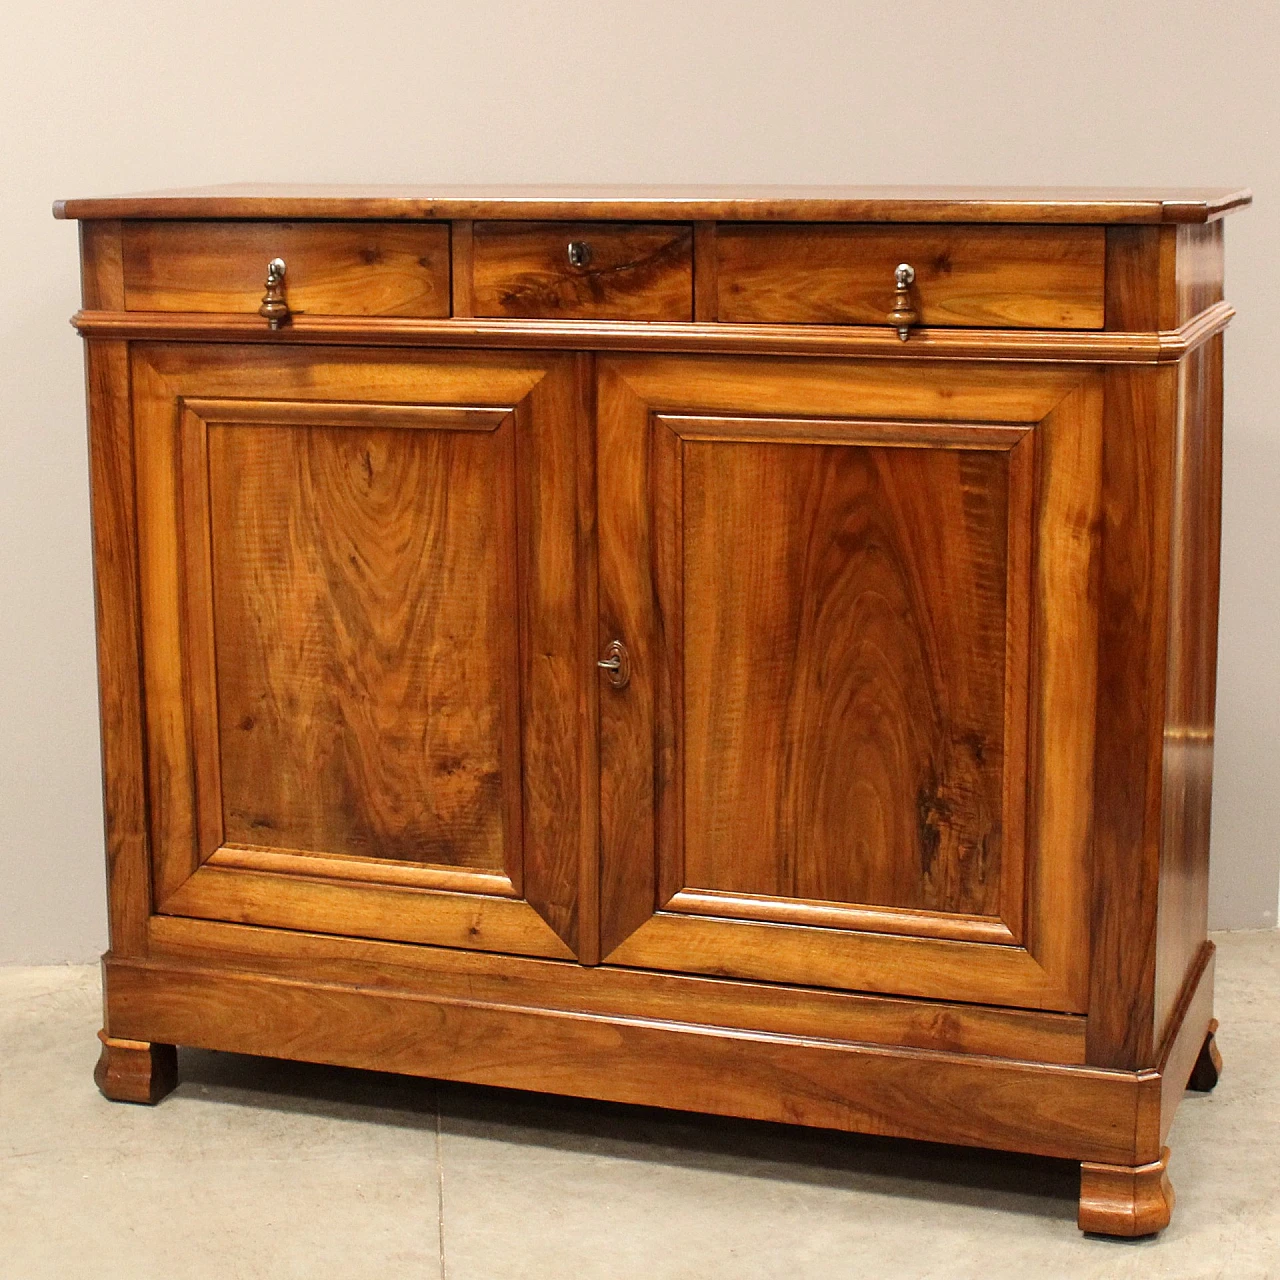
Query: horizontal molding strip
1091	347
1075	1112
335	413
322	866
835	915
556	983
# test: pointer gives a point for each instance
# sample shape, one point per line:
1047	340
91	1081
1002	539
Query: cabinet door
368	642
856	742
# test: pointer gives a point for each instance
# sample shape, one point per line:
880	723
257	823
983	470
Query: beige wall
99	96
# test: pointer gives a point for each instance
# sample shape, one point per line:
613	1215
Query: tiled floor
264	1169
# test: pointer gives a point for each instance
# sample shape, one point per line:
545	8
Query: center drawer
1017	277
583	270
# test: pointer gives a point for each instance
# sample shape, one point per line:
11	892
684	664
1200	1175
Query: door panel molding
532	409
1047	422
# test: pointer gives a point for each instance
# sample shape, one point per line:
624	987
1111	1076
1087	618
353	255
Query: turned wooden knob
903	315
274	309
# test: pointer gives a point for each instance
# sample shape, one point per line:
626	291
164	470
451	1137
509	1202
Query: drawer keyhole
579	253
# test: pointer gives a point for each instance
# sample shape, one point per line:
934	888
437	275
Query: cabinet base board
1100	1116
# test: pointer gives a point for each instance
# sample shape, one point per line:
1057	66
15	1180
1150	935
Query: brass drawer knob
274	309
903	315
579	253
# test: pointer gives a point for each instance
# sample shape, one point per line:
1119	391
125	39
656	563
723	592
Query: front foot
1204	1075
1125	1200
135	1071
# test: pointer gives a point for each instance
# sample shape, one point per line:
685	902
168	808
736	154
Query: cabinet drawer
332	268
986	277
614	271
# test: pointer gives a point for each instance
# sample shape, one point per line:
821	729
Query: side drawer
987	277
614	271
333	268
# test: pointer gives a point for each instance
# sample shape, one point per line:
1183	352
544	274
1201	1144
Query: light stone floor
255	1168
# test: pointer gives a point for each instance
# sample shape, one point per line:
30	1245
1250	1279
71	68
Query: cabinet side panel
101	266
1200	269
115	565
1132	635
1192	668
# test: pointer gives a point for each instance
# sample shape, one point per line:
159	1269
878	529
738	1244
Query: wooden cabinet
648	646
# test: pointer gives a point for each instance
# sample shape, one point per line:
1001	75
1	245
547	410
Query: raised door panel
365	629
846	632
858	613
364	595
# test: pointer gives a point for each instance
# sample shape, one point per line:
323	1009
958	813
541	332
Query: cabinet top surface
757	203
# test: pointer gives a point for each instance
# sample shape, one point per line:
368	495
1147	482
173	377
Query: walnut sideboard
741	650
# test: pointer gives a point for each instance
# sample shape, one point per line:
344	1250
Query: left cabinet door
368	642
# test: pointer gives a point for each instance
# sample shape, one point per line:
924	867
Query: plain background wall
101	96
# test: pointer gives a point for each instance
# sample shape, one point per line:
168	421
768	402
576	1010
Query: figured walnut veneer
895	819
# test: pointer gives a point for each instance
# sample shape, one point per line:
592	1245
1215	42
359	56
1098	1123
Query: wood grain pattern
1191	686
656	828
679	203
1023	277
1141	265
324	487
900	825
840	915
1190	1028
1041	346
1200	269
135	1071
340	269
347	563
807	1012
1051	1110
305	897
705	261
844	663
635	272
1132	646
1066	531
461	248
102	266
119	635
556	508
1123	1200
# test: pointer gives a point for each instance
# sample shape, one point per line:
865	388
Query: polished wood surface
308	565
1133	621
135	1070
1183	1044
896	820
1157	347
1120	1200
334	268
910	1093
986	277
806	785
1069	205
349	550
753	729
1191	685
631	271
531	982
